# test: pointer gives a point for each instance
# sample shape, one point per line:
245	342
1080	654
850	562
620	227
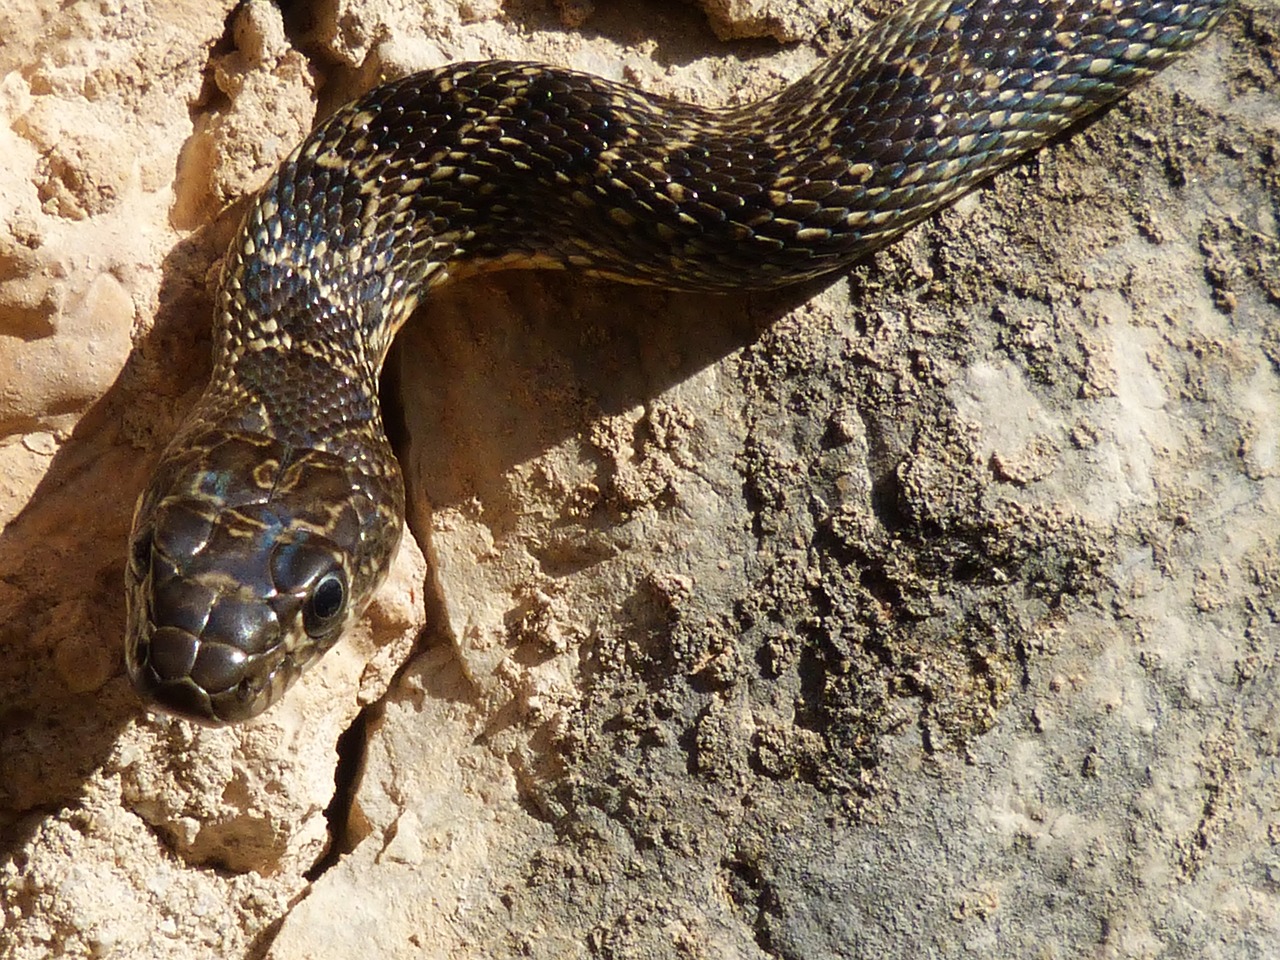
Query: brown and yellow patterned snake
275	511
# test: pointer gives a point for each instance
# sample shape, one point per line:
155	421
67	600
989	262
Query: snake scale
276	509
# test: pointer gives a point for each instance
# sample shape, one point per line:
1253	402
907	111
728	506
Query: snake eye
325	604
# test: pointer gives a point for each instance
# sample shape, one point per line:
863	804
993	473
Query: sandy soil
931	609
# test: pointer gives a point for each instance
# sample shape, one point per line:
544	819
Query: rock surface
931	609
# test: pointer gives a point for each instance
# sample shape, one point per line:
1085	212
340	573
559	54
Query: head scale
248	560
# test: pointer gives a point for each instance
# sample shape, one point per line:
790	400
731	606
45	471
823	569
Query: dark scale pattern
275	511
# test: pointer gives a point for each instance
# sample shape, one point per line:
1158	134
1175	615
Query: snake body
275	511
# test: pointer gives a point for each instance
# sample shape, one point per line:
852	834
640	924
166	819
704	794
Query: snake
273	514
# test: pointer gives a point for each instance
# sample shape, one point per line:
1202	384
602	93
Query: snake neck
298	352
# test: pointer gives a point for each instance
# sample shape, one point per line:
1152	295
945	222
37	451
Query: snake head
248	560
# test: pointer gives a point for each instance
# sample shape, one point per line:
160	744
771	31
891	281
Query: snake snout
170	669
207	657
226	607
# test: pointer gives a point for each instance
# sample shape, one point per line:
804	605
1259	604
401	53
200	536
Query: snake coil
275	511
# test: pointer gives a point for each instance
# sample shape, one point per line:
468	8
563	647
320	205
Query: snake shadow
495	371
64	698
676	34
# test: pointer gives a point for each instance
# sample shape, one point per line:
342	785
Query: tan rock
863	619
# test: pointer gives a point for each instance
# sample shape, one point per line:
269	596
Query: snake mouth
176	672
178	695
205	656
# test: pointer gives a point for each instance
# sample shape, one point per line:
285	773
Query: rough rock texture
931	609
